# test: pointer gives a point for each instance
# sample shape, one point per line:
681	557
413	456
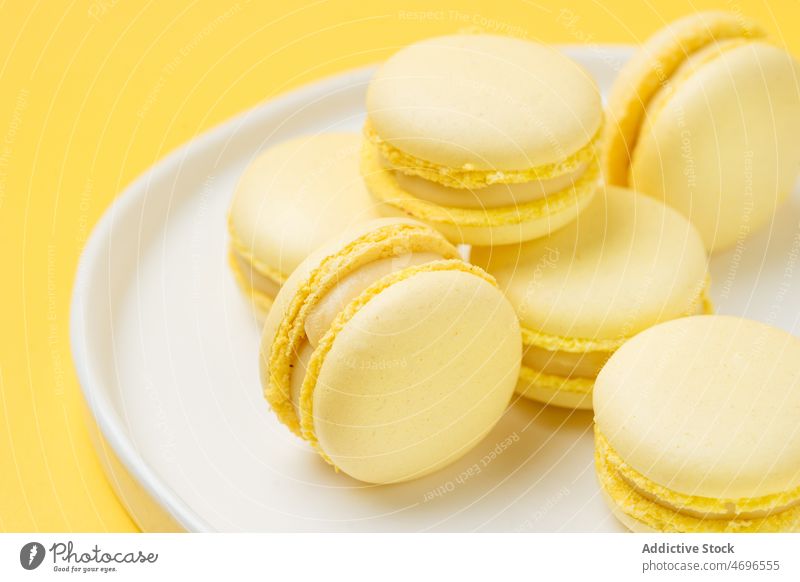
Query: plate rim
101	411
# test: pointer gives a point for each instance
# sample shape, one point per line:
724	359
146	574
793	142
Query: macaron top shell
650	70
484	102
626	263
730	118
417	376
706	406
297	195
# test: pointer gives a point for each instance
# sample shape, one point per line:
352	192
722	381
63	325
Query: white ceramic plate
166	352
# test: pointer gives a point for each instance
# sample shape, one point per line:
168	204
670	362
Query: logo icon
31	555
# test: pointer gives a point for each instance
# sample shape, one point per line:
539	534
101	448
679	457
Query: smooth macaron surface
483	102
704	117
706	406
626	263
416	377
722	147
410	373
650	70
294	197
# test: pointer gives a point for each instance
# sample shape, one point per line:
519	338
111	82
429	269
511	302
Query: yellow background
93	92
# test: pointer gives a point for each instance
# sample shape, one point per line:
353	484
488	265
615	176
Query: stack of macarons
491	140
587	284
628	262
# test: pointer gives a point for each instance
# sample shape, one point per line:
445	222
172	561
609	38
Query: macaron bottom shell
647	507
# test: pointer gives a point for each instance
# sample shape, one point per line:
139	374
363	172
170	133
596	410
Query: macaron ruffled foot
696	428
388	353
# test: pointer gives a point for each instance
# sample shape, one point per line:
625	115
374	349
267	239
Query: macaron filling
661	508
564	363
572	364
492	196
552	210
467	176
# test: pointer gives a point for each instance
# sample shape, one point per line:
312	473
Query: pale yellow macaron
490	139
388	353
290	199
705	117
628	262
697	428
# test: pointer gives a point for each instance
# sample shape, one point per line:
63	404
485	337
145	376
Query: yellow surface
94	92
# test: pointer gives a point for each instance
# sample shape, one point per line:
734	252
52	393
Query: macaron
489	139
292	198
388	353
705	117
697	428
628	262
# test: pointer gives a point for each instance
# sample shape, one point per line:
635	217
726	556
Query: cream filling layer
566	364
693	505
320	319
570	364
491	196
